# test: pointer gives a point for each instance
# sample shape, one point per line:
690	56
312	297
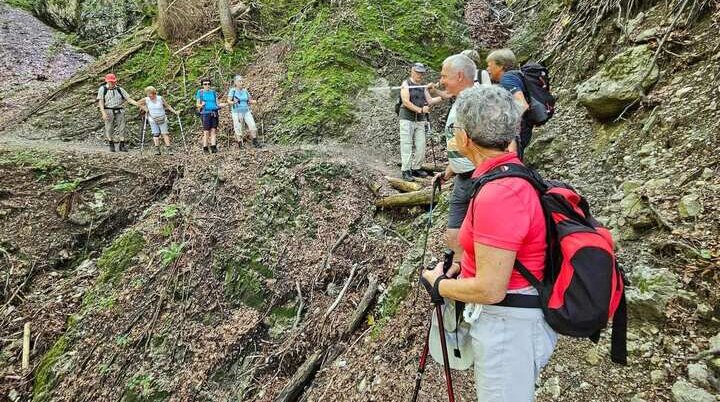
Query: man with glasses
458	73
208	105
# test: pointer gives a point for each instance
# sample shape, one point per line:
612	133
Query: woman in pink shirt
504	223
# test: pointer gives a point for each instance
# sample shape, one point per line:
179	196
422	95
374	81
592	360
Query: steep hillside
269	275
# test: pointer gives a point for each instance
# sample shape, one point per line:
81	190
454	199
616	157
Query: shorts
210	120
158	129
460	199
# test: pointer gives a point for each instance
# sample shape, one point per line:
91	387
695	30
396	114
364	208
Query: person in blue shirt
240	99
209	106
503	70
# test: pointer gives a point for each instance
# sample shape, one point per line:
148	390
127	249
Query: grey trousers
412	133
511	345
115	119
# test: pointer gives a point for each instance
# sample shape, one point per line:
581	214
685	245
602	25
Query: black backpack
541	103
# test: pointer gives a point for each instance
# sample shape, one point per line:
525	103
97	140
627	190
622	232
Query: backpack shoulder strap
120	91
511	170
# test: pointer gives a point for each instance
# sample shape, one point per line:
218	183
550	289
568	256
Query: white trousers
511	345
238	119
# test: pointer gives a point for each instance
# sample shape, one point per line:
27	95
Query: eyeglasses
206	83
454	127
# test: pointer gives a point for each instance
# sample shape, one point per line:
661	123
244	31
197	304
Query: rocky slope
239	272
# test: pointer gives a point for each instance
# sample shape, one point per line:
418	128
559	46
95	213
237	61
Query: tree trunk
402	185
227	22
162	19
412	199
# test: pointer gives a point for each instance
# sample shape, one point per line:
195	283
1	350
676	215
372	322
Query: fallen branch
342	292
411	199
300	307
362	308
302	376
402	185
26	347
429	167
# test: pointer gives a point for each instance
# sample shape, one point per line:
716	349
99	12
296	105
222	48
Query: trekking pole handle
448	260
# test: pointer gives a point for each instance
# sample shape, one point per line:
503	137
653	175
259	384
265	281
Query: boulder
698	374
615	86
62	14
636	212
690	206
683	391
92	20
649	293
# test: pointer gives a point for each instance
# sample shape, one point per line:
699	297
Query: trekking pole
142	137
428	132
182	133
447	264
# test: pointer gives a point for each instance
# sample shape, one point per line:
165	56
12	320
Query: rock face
683	391
650	291
608	92
92	20
64	15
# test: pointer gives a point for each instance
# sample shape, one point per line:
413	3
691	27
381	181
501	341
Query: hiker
414	109
481	76
505	222
111	99
503	69
154	105
241	100
208	107
458	74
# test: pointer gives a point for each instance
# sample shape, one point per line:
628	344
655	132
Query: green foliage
170	211
170	254
27	5
117	258
144	388
336	53
42	163
66	186
45	375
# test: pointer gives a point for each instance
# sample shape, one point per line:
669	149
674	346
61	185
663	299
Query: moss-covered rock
529	40
618	83
281	319
649	293
45	375
118	257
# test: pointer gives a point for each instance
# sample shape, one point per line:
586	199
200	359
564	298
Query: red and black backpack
583	286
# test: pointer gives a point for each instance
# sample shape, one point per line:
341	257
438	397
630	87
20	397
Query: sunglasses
206	83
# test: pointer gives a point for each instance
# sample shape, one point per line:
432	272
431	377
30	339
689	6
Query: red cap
110	77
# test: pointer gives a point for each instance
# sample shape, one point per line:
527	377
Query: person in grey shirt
111	102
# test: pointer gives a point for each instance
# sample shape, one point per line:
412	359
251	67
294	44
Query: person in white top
154	105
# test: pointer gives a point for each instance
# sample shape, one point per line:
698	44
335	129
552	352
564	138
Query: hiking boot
256	143
122	147
213	149
112	146
407	175
206	150
157	151
419	173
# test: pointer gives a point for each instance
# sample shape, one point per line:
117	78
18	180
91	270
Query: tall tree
227	21
162	19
